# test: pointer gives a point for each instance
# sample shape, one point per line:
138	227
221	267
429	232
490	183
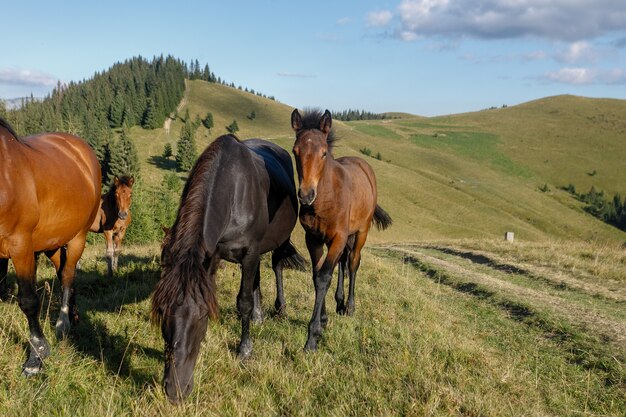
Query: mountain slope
460	176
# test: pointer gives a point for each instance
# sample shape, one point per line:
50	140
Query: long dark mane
7	126
184	271
311	120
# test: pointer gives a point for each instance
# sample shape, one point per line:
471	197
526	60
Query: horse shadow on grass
98	297
123	294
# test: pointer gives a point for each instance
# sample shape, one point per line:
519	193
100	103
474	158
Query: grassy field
450	319
456	328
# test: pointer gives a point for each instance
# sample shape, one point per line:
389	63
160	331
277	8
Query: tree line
609	210
349	115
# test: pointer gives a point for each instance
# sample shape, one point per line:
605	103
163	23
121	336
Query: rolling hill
472	175
450	319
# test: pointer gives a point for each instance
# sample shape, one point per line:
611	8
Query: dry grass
416	346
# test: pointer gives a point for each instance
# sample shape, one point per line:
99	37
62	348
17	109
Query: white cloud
585	76
576	76
379	18
26	77
535	56
577	52
568	20
295	75
344	21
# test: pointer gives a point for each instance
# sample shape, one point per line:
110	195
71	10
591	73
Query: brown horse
114	218
338	206
49	197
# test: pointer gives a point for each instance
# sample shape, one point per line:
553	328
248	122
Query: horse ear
296	120
131	181
116	181
326	122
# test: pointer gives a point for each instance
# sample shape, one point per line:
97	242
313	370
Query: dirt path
168	122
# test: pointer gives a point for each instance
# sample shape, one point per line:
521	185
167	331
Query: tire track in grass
585	338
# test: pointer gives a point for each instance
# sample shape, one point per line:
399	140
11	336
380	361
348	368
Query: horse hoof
62	328
29	371
244	351
34	364
311	346
349	311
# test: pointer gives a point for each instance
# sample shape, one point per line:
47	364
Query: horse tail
381	218
289	256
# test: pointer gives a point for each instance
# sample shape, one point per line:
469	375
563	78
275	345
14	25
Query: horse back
361	190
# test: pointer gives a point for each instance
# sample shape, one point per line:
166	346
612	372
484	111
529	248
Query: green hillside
473	175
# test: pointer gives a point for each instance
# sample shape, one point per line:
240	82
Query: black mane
311	120
7	126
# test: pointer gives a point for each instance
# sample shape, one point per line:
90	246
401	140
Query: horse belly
280	228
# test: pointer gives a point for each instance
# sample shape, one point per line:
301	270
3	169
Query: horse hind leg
245	302
4	276
279	257
353	265
69	313
342	268
257	308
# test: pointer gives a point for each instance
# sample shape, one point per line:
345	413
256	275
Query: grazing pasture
450	318
456	328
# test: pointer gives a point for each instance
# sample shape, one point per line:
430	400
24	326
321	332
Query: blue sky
426	57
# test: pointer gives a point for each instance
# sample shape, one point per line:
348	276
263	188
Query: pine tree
208	121
233	127
124	158
149	120
167	151
186	153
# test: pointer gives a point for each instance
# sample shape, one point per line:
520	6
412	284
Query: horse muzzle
307	198
122	215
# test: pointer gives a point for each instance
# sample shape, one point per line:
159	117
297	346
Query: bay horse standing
49	198
114	218
238	203
338	206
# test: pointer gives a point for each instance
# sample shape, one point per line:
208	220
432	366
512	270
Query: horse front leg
110	251
321	280
69	313
117	246
245	301
24	262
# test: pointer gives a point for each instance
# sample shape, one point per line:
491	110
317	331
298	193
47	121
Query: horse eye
324	155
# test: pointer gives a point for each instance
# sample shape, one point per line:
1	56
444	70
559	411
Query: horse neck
109	199
327	180
198	200
8	142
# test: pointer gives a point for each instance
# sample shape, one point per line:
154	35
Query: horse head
314	141
123	195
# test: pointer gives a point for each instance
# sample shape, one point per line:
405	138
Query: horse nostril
122	214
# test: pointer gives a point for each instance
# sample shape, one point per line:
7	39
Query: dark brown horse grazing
338	206
114	218
49	197
238	203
